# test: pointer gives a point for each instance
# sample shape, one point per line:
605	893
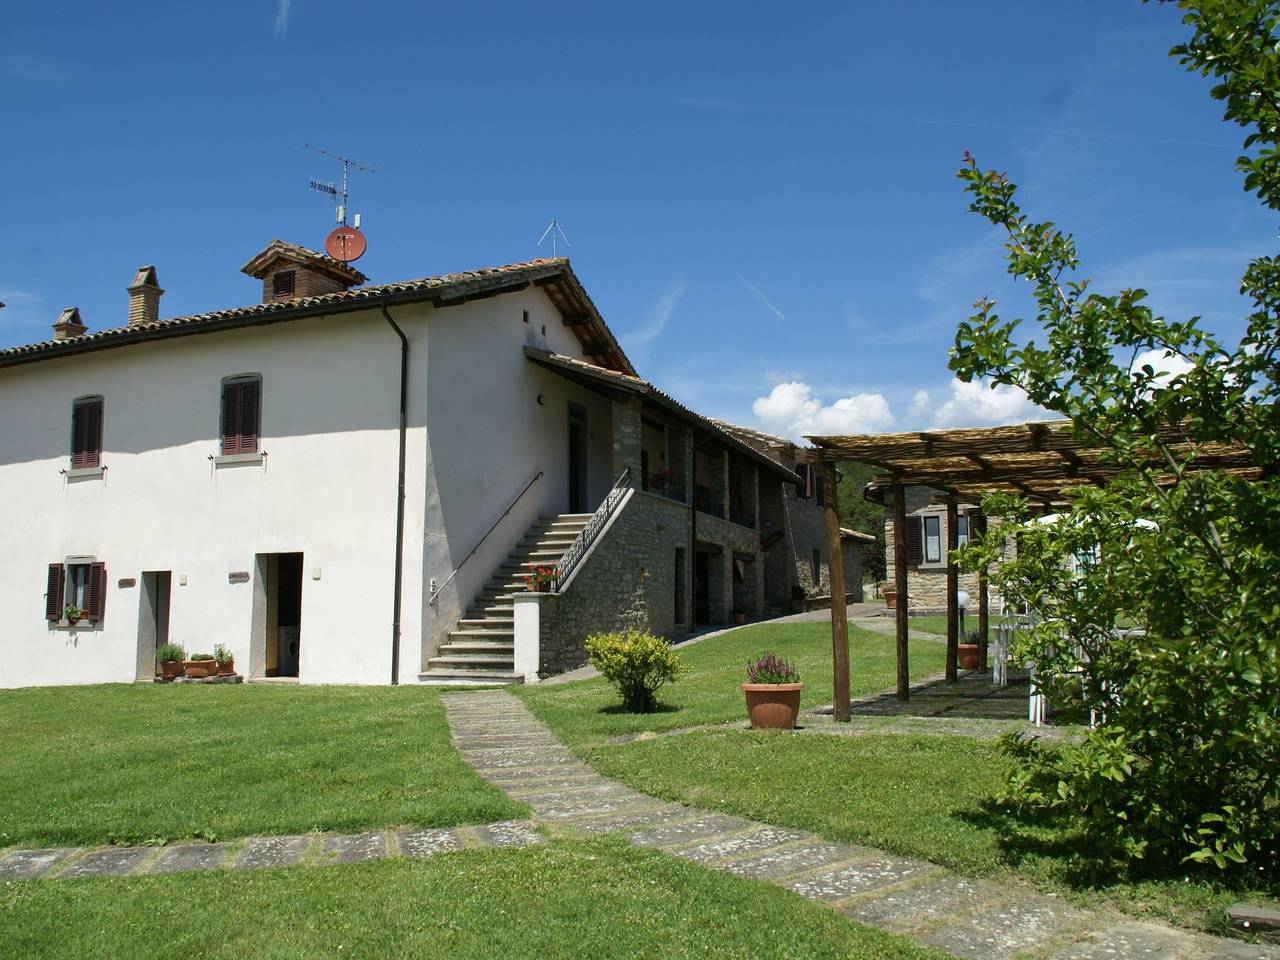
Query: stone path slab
260	853
512	749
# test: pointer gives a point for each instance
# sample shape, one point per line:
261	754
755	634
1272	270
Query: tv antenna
339	194
553	229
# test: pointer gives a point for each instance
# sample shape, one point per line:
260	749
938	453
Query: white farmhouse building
346	484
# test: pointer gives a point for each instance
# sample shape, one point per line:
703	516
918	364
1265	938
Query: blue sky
760	198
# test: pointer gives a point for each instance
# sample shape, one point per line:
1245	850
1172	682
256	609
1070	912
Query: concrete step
500	624
494	613
478	663
467	647
468	678
480	635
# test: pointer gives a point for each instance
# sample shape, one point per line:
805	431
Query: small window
76	590
282	285
932	539
526	316
241	414
86	433
962	530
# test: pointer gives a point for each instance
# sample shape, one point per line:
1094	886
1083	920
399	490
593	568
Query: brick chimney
144	297
291	272
68	325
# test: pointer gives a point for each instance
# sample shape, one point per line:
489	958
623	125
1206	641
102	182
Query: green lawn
587	712
918	796
596	899
137	763
938	625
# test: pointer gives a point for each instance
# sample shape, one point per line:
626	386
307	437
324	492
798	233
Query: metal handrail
435	593
582	543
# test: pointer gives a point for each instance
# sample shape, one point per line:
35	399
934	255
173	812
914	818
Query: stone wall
628	581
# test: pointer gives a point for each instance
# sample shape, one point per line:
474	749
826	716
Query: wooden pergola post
983	616
900	584
839	614
953	587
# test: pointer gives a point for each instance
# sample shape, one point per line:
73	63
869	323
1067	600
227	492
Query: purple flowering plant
769	668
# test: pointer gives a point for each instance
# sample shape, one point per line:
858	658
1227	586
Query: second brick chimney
69	325
144	297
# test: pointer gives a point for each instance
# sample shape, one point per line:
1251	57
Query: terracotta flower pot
227	669
199	668
968	656
891	599
773	706
171	668
739	619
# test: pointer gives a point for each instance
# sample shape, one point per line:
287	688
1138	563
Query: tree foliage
857	513
1184	765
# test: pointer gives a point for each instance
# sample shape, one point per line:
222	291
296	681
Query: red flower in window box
540	578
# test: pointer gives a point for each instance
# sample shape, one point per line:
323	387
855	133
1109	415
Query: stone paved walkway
310	850
970	918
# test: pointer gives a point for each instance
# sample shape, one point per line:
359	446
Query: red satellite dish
345	244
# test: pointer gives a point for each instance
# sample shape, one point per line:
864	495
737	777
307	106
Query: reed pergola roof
1042	460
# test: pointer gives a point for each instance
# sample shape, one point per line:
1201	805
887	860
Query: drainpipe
404	420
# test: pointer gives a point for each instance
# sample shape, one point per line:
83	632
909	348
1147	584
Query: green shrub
637	663
222	655
170	653
202	656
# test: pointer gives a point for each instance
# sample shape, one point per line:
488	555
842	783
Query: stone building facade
927	539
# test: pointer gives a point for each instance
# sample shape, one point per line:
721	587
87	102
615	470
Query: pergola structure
1042	460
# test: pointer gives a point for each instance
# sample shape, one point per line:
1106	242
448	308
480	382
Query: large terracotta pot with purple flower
773	693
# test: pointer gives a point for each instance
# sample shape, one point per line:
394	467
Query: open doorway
153	620
276	641
577	459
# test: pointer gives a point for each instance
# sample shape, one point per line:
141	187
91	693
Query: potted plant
773	693
225	660
891	597
200	665
739	616
968	651
73	613
170	656
540	578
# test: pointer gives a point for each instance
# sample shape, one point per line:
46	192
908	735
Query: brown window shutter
86	434
231	396
915	542
250	404
282	285
977	523
55	587
97	592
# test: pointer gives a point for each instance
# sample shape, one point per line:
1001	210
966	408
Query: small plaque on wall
125	582
238	576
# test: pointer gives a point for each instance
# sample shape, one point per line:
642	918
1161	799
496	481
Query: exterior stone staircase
481	650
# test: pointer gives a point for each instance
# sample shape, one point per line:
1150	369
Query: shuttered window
241	408
82	585
86	433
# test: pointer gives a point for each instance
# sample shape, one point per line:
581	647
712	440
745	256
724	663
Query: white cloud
755	292
791	410
282	19
656	318
1165	364
982	404
921	404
